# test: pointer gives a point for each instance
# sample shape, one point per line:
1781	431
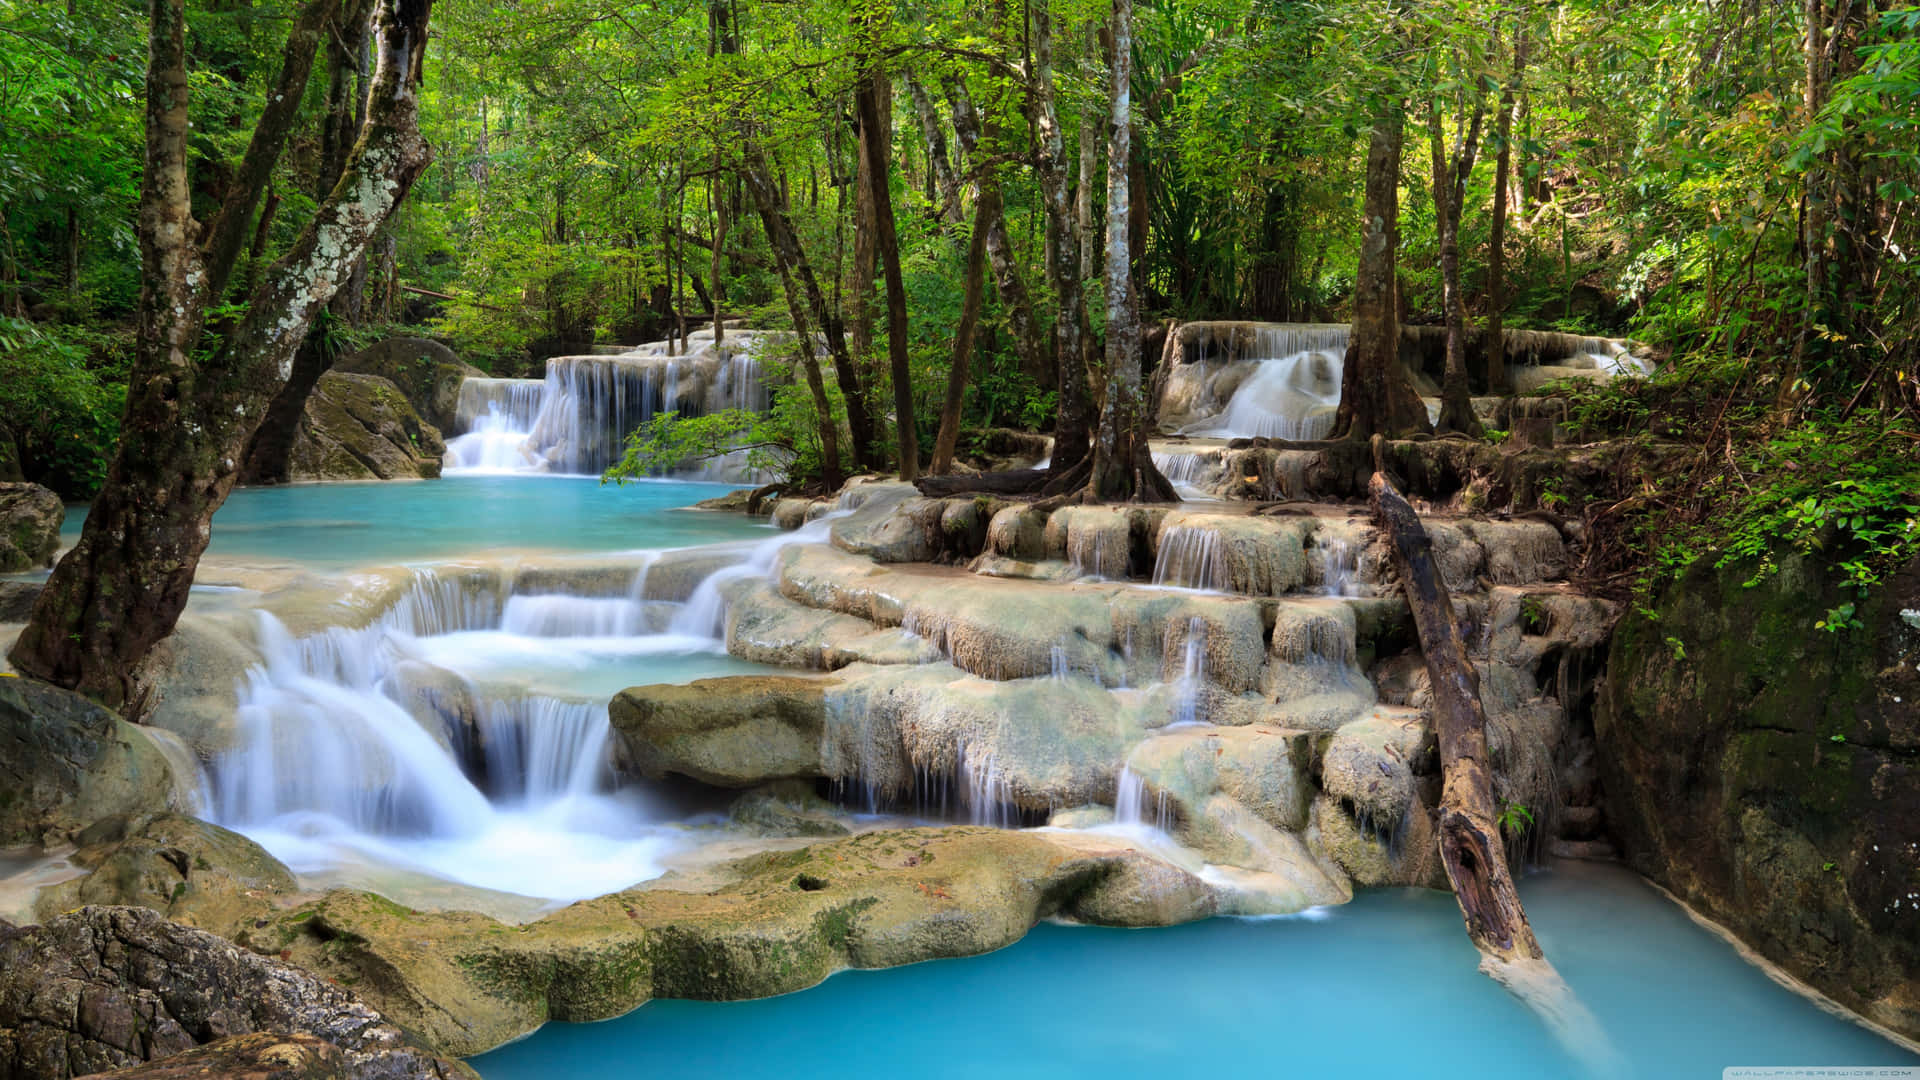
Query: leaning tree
201	381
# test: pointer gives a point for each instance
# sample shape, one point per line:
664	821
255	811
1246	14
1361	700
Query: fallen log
1470	845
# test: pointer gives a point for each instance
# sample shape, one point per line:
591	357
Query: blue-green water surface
1386	986
340	525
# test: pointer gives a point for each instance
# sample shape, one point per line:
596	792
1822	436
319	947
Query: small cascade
1339	564
1190	557
1188	709
1061	667
539	749
1131	803
1190	471
704	615
986	791
1294	397
561	615
577	419
385	742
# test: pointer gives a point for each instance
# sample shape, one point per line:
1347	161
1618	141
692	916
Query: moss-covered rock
787	920
30	518
65	763
1768	772
361	427
730	732
189	870
426	372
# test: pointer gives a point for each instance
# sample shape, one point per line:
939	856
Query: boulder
1263	768
65	763
30	518
426	372
1767	772
259	1056
785	920
360	427
191	871
106	987
729	732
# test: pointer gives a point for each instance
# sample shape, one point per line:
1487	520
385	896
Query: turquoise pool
339	525
1383	987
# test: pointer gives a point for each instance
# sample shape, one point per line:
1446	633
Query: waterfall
1293	396
986	791
704	615
392	742
1190	557
1339	565
1189	470
576	420
1188	709
1130	803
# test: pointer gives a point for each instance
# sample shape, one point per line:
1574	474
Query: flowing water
1386	986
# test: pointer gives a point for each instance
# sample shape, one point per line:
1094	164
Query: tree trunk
269	456
984	208
1374	393
1071	426
1449	195
122	587
1022	322
1122	463
946	184
1470	845
860	327
803	299
876	140
1499	381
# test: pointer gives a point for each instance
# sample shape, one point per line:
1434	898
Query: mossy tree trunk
192	403
268	459
1122	463
1375	396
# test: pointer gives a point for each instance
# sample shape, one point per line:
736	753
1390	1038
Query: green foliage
62	390
1514	819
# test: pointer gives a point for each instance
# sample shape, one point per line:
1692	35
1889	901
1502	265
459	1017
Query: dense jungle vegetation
1732	183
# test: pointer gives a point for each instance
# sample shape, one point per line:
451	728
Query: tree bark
122	587
876	140
945	182
1449	196
860	327
1122	463
1470	844
269	456
1022	322
1071	435
962	358
803	299
1374	393
1499	381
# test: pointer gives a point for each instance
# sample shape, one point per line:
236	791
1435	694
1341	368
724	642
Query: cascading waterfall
1131	803
1190	470
1190	557
576	420
1339	565
1294	396
387	743
1188	709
